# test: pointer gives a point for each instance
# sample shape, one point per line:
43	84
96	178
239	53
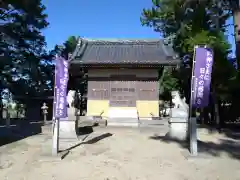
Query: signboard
201	80
60	91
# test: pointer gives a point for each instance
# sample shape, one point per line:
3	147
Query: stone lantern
45	112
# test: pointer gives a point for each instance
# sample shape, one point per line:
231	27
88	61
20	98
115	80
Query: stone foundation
68	126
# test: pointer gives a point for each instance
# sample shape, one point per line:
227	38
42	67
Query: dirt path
121	154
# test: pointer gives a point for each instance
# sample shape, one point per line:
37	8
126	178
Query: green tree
65	50
189	23
79	83
70	45
22	46
169	82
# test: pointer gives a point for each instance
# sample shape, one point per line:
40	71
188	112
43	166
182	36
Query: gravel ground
121	154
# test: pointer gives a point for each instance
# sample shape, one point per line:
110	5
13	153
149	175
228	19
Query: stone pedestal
67	129
178	129
178	123
68	126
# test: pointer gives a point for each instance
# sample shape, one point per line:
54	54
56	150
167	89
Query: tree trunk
201	116
217	116
216	110
207	116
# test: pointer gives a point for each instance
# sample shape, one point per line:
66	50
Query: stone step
122	113
162	122
91	122
132	122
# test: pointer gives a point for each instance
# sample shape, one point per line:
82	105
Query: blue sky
98	19
95	19
230	35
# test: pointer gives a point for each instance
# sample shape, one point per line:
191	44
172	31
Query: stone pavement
122	154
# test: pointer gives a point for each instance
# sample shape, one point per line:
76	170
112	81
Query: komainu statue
178	123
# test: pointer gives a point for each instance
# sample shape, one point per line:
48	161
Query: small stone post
45	112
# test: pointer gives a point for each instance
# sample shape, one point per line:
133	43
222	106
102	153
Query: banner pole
55	145
192	124
55	126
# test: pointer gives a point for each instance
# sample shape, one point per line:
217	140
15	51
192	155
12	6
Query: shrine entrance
122	76
123	94
123	97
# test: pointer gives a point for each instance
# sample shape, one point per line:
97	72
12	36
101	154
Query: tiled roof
115	51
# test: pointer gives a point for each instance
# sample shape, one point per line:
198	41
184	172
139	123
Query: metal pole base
193	136
55	141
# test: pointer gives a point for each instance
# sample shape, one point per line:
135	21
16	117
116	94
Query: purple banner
60	91
202	76
237	34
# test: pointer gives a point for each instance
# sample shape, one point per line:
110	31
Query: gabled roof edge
75	52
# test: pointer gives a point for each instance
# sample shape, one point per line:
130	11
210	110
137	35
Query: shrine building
122	75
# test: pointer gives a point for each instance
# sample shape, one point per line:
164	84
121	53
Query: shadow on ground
85	130
88	130
18	131
229	131
230	147
233	135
